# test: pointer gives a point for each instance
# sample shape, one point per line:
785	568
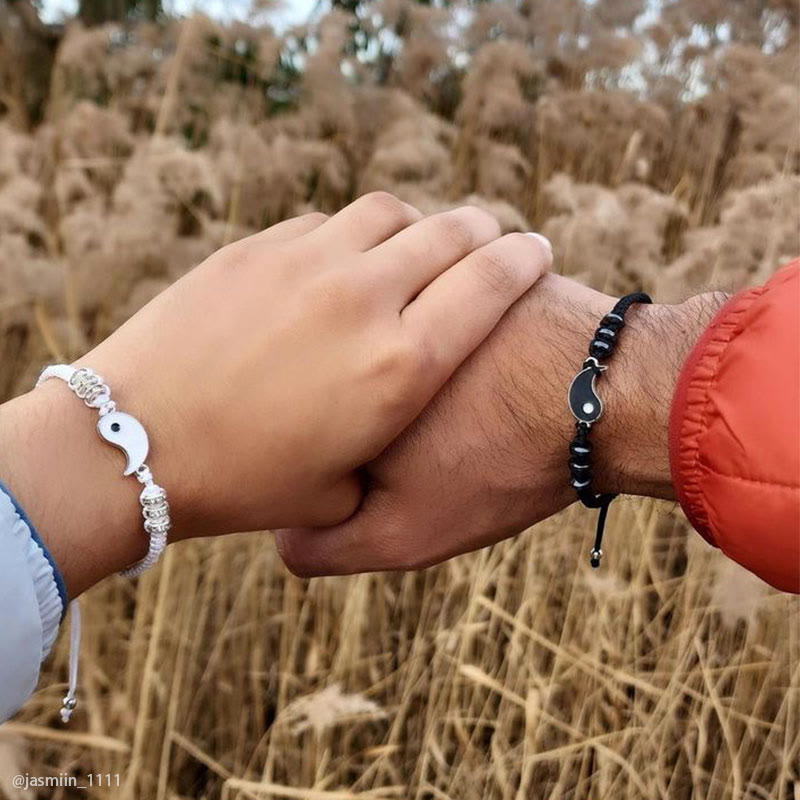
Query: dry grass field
658	150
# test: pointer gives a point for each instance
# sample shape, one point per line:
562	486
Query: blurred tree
96	12
27	51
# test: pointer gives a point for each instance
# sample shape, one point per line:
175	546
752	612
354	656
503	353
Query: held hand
488	457
267	376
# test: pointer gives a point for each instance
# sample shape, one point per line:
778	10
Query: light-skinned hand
267	376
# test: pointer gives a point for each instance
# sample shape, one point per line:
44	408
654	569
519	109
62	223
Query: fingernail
544	240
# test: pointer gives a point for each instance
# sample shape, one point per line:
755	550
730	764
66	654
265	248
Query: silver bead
158	526
152	494
109	407
79	375
156	512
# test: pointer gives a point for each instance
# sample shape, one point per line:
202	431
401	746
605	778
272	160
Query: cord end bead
596	557
69	706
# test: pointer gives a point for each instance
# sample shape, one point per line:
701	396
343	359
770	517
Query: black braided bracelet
587	408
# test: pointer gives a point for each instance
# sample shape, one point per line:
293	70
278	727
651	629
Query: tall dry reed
665	159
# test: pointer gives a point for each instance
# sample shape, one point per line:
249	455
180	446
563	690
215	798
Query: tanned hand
488	457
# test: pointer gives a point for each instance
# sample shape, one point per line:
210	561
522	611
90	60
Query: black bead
579	449
612	322
581	483
580	467
600	349
581	477
606	334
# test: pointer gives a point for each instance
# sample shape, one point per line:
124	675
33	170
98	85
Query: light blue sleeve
32	604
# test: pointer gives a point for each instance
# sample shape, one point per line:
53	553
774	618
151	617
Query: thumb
370	540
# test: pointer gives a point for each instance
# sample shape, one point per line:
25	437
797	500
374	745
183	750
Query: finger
367	222
362	543
453	315
313	552
417	255
289	229
335	505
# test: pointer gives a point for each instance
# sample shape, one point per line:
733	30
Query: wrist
70	484
540	350
631	441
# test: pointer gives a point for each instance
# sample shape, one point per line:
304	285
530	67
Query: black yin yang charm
583	400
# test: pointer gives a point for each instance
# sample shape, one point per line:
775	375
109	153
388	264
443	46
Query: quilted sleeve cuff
689	409
735	428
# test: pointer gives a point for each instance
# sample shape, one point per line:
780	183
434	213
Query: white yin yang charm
127	433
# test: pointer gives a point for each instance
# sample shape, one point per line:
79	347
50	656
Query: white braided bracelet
126	433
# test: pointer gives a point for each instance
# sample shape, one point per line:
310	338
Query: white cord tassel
74	654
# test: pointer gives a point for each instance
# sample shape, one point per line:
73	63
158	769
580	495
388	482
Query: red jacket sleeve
735	431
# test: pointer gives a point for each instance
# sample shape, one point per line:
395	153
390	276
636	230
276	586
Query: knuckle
315	218
498	268
392	366
237	255
483	218
384	205
465	226
457	227
403	361
400	368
